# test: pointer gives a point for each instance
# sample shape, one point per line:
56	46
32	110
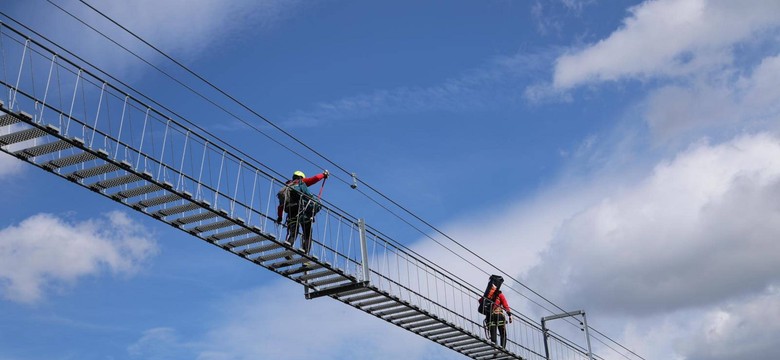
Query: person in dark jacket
300	205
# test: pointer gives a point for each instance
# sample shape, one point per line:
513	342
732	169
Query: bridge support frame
560	316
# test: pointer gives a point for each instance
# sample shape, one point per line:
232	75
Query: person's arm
309	181
505	304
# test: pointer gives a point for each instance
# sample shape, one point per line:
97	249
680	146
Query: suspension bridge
64	116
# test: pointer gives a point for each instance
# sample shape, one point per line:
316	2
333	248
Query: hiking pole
319	196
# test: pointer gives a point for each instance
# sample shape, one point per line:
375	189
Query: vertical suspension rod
97	114
19	76
162	151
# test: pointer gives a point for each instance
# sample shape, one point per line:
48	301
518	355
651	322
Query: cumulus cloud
668	38
179	27
739	330
648	257
748	101
44	252
701	229
175	26
275	321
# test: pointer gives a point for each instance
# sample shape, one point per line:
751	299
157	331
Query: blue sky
617	156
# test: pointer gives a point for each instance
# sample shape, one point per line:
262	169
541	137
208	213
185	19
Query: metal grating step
495	354
246	241
43	149
94	171
260	249
327	281
424	324
273	256
353	292
213	226
175	209
205	215
337	289
230	234
437	334
141	190
414	319
167	198
8	119
455	338
69	161
395	312
403	315
386	307
283	263
354	299
373	302
474	348
300	269
314	275
19	136
491	353
430	327
114	182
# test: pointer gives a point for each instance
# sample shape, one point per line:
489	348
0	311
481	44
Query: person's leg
292	230
492	326
306	235
502	331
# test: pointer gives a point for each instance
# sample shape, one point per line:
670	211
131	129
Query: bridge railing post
363	248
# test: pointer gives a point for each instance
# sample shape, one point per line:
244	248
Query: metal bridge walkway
97	134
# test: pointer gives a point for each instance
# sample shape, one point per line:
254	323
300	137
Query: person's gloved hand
279	220
326	173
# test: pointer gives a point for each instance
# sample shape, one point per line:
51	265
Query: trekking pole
319	196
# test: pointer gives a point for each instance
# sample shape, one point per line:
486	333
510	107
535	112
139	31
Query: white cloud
739	330
547	14
668	38
750	101
275	322
9	166
44	252
648	258
675	240
178	27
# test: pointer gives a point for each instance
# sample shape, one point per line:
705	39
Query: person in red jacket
496	319
301	205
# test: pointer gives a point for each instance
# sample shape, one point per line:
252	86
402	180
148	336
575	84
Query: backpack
487	300
297	199
289	196
484	306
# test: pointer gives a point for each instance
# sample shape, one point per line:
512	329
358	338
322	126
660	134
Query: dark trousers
302	223
497	322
